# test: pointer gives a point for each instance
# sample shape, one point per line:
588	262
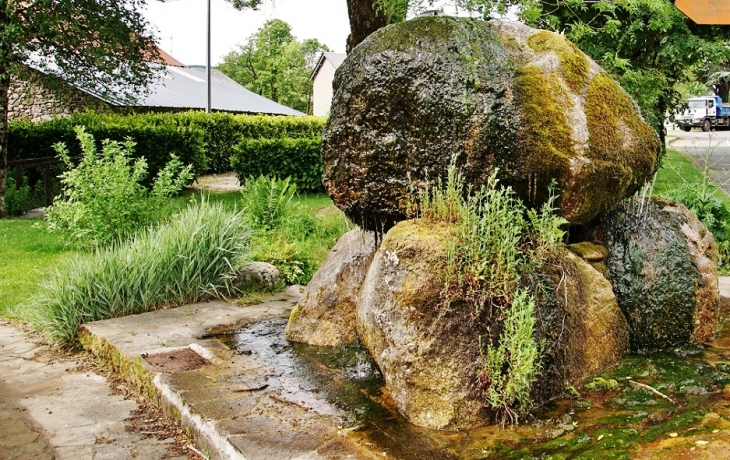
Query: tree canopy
99	44
274	64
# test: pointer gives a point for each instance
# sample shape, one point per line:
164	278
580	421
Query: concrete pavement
52	408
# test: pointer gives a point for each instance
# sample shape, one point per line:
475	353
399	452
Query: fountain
527	105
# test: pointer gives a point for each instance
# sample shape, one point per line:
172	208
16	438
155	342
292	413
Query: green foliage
298	159
268	200
497	242
285	235
206	141
189	258
24	198
274	64
103	199
518	353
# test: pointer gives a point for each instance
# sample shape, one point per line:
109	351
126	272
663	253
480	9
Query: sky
181	25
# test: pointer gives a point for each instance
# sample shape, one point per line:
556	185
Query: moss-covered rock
663	267
431	358
498	95
325	316
584	329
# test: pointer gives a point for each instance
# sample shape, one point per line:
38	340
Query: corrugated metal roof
185	88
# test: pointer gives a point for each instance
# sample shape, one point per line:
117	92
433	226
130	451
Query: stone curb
235	407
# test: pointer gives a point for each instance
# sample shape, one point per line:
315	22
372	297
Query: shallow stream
669	405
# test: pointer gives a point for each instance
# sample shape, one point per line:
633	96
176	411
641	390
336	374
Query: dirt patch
181	360
225	182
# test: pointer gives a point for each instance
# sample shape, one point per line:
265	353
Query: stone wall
35	98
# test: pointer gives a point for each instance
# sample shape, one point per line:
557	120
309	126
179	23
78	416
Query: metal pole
207	65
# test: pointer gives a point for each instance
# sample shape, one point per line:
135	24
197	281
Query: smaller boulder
584	330
260	275
663	266
325	316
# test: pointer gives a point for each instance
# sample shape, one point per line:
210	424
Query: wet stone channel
667	405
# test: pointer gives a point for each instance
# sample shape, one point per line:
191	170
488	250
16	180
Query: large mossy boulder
325	315
497	95
431	358
662	263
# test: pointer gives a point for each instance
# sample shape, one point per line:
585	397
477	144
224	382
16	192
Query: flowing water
672	404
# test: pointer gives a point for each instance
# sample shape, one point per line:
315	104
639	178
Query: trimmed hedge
299	159
153	142
206	141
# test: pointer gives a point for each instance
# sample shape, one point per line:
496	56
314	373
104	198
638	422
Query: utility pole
207	65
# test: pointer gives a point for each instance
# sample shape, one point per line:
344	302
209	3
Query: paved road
711	149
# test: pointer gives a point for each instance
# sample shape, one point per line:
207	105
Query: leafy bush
25	198
224	131
156	143
268	200
497	242
103	199
206	141
285	235
185	260
298	159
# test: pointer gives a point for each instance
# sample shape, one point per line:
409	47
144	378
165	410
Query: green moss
589	251
130	370
573	64
601	384
616	131
546	134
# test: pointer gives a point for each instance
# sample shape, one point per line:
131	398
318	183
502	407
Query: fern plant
267	200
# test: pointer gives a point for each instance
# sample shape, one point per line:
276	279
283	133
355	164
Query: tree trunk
364	20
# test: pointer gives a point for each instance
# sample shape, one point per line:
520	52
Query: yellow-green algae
573	63
129	370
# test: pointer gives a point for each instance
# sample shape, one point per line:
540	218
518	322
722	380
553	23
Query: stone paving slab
51	409
236	407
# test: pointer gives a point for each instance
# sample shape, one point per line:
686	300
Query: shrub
285	235
185	260
497	242
24	198
268	200
103	199
206	141
156	143
298	159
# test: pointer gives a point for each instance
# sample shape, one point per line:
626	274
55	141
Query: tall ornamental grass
185	260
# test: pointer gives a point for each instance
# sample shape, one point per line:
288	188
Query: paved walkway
53	408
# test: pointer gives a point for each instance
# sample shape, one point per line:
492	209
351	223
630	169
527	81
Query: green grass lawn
28	251
678	168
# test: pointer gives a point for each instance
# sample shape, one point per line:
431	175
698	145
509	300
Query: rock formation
497	95
663	266
326	314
